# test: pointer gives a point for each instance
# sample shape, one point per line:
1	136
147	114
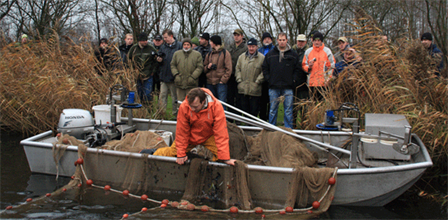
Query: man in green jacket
186	67
143	58
249	77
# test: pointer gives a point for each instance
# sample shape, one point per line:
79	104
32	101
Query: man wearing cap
186	67
218	68
204	48
343	46
319	63
166	77
267	45
235	50
157	42
301	88
142	57
281	69
124	48
249	77
433	51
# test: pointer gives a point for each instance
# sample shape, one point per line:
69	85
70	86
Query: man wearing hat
104	56
343	46
319	63
249	77
143	58
157	42
433	51
204	48
218	68
267	45
186	67
195	42
235	49
301	87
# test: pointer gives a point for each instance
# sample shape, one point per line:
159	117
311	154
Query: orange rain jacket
323	65
195	128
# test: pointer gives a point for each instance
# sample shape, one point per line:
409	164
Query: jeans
274	95
218	90
144	89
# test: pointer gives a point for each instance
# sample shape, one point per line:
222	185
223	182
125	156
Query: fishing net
280	150
135	142
197	184
311	184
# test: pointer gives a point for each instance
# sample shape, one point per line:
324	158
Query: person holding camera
143	58
218	68
186	67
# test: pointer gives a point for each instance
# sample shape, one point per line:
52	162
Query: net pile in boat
135	142
274	148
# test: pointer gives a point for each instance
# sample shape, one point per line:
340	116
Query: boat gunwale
33	141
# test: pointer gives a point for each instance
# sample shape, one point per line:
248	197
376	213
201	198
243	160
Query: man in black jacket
124	48
166	77
281	69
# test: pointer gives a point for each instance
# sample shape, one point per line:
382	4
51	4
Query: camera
161	54
214	67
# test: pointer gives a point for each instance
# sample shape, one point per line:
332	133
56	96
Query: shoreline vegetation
44	77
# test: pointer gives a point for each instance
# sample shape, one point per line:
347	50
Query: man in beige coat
186	67
249	76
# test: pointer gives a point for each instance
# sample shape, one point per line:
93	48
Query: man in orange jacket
200	120
319	63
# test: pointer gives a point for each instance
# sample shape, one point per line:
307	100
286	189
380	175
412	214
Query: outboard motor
76	122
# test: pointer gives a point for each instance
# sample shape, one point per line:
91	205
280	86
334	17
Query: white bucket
102	114
166	135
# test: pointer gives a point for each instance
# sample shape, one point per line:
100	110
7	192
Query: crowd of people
247	74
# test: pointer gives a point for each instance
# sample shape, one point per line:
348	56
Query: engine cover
76	122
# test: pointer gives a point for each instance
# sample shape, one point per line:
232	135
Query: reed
44	77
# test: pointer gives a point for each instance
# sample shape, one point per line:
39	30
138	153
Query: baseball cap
301	37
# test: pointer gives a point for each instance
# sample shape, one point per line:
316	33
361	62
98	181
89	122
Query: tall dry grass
40	79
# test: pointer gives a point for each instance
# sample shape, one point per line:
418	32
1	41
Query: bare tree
437	17
5	7
136	16
195	16
44	17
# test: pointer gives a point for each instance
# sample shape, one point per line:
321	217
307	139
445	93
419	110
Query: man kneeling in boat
200	120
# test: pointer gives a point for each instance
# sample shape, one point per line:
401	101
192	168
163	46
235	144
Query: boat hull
160	177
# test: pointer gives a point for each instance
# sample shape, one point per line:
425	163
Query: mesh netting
135	142
311	184
280	150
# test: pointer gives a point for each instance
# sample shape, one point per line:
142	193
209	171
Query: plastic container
166	135
102	114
